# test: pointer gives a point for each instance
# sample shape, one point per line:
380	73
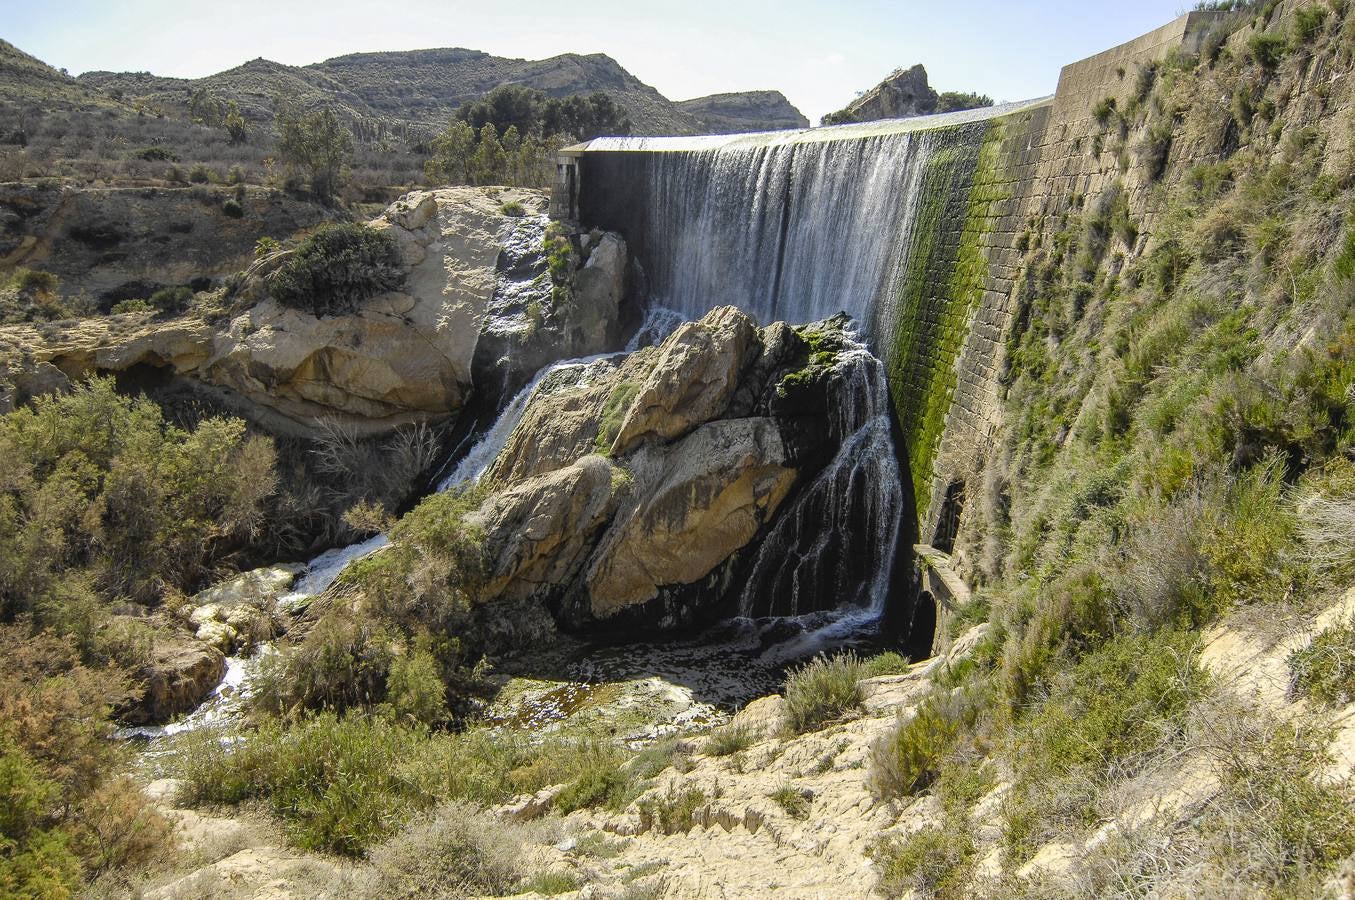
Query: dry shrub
822	691
459	851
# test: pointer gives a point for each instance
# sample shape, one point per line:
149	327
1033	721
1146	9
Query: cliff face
906	92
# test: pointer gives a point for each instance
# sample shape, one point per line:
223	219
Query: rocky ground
735	832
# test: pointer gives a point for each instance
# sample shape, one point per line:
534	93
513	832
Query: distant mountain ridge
421	89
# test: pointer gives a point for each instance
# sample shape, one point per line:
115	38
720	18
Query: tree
317	144
236	124
488	163
452	150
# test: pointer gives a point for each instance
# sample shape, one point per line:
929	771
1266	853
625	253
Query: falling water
788	233
834	546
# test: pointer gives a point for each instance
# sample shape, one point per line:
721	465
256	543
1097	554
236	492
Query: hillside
421	89
745	111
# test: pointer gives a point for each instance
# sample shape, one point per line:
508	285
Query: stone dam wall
989	182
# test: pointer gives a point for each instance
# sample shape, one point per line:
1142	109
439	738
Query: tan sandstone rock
707	498
692	381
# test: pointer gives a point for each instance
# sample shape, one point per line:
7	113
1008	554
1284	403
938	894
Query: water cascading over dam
788	226
798	226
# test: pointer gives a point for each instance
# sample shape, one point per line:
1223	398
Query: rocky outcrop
717	488
401	357
906	92
744	111
179	676
695	375
237	614
631	488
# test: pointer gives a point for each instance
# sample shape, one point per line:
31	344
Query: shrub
935	861
602	782
232	208
675	811
1325	669
173	299
889	663
1102	720
512	208
551	883
130	306
728	741
109	500
1248	546
795	802
201	174
337	268
907	760
415	690
33	280
458	850
823	690
1268	49
1104	110
332	780
1308	22
63	815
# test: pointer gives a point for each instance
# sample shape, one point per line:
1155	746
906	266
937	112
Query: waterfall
786	232
837	538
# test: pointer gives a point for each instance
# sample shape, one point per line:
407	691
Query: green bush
1325	669
908	759
602	781
173	299
822	691
336	269
415	689
335	782
796	803
130	306
232	208
1268	49
675	811
64	815
935	861
1103	719
512	208
889	663
1308	22
104	496
729	740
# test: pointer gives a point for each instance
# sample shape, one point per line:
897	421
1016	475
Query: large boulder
402	356
633	491
701	500
696	374
180	674
539	532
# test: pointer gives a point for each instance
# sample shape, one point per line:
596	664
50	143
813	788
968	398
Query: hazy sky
820	54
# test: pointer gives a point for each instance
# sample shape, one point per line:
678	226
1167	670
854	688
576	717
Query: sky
819	54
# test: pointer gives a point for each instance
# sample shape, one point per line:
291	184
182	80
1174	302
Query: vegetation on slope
1179	399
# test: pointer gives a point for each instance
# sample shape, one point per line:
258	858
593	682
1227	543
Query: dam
914	227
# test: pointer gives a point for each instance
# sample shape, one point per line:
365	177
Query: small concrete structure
564	195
